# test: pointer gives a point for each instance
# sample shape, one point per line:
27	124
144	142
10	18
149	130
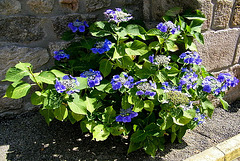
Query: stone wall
30	31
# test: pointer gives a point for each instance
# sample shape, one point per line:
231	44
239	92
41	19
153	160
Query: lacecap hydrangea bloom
78	26
220	84
189	78
117	16
146	88
199	118
126	115
67	84
59	55
93	77
190	57
168	26
119	82
102	46
160	60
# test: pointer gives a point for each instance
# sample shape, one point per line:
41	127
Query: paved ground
28	137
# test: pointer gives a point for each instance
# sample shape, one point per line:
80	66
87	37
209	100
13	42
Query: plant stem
40	86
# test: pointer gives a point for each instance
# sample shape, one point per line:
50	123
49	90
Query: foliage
118	78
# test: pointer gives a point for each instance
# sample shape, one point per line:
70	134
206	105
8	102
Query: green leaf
136	30
90	102
152	129
173	11
119	52
173	137
48	115
154	32
68	35
116	130
100	133
171	46
207	105
150	148
82	83
199	37
138	105
136	48
224	103
61	113
105	67
146	71
181	132
161	75
18	90
125	62
77	117
138	136
37	98
154	45
47	77
134	146
125	103
148	105
57	73
24	66
109	115
15	74
173	72
168	121
77	105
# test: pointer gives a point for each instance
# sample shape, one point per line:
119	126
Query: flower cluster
68	84
146	88
189	78
126	115
191	57
59	55
78	26
168	26
220	84
94	77
102	46
160	60
199	118
126	81
117	16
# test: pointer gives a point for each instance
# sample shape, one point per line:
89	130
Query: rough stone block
41	6
21	29
11	55
93	5
8	7
236	13
211	154
222	14
146	10
218	50
231	148
237	57
71	4
60	23
207	9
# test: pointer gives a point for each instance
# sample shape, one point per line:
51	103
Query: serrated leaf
77	105
48	115
24	66
148	105
47	77
138	136
18	90
77	117
134	146
137	48
105	67
14	74
83	83
161	75
173	11
150	148
136	30
224	103
90	102
100	133
37	98
61	113
171	46
58	73
109	115
199	37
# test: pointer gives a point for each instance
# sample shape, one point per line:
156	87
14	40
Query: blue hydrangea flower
211	84
126	115
168	26
59	55
189	78
67	84
101	47
199	118
118	81
191	57
146	88
94	77
228	80
78	26
160	60
117	16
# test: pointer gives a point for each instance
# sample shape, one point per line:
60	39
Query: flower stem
40	86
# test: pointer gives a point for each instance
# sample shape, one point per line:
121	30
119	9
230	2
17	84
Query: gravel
27	137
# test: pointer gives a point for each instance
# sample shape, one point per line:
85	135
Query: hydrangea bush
118	78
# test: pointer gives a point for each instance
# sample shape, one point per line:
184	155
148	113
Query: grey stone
93	5
8	7
55	46
11	55
146	10
207	9
218	50
21	29
237	58
222	14
236	13
41	6
60	23
70	4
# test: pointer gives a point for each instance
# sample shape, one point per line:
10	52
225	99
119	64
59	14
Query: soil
27	137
